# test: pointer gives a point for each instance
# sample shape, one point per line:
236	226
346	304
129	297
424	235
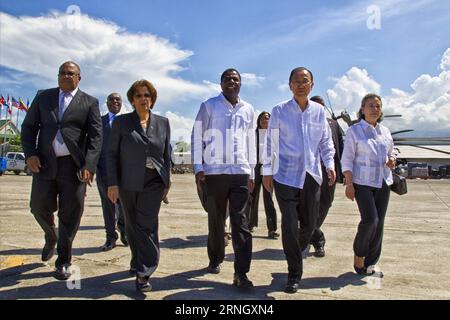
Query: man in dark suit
327	191
114	103
61	137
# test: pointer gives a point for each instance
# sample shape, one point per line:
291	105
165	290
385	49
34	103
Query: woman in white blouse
367	161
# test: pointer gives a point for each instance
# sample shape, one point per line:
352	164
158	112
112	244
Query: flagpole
6	122
10	120
1	111
17	120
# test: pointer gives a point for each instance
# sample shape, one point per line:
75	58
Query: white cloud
111	59
427	107
252	80
180	126
351	88
284	87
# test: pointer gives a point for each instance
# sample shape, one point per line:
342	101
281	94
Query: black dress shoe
143	286
292	285
109	245
242	282
62	273
215	269
123	239
363	271
273	235
319	252
48	251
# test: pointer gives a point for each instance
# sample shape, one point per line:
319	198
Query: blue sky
183	46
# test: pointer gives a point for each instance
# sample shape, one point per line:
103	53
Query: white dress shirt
261	139
296	141
61	148
366	151
223	138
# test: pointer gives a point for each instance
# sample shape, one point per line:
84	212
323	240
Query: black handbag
399	186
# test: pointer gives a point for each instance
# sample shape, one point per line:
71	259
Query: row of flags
19	104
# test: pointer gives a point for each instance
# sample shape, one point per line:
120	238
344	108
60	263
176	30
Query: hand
350	191
113	193
391	162
87	177
251	185
268	183
200	176
331	176
33	163
165	192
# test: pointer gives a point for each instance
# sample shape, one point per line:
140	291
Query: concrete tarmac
415	258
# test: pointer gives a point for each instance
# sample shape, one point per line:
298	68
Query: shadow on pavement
189	242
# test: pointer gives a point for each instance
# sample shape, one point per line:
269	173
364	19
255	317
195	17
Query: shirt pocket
242	122
315	134
366	173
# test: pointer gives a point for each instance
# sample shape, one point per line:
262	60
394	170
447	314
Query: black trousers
109	212
299	211
372	204
141	210
232	189
269	207
65	194
326	200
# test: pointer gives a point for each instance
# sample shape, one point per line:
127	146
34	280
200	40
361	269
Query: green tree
15	144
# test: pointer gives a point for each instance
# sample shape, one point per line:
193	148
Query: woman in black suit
139	174
262	124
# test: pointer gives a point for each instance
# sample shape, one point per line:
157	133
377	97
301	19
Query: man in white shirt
224	154
298	137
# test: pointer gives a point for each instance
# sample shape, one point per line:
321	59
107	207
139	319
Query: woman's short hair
370	96
258	120
142	83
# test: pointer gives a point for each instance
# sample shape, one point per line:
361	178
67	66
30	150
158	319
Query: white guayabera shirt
223	138
366	151
296	141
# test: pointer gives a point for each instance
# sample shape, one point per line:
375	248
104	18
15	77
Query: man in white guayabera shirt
224	155
297	138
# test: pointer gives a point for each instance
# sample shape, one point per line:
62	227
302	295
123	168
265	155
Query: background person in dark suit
138	165
112	213
326	190
61	137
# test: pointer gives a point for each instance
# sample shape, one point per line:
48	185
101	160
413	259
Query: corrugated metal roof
414	152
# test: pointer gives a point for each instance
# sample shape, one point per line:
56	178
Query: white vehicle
15	161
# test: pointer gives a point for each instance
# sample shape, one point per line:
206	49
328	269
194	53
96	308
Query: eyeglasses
114	98
68	74
145	95
373	106
301	83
